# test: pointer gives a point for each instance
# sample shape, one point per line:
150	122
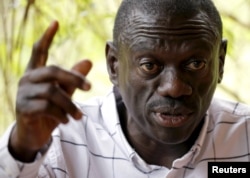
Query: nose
173	86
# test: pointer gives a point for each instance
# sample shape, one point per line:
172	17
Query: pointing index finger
40	49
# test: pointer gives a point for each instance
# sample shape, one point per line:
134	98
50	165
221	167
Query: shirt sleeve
11	168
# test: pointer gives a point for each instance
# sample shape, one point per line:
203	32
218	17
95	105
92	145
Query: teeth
168	114
174	121
168	119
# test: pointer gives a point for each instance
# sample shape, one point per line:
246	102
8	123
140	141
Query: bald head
128	10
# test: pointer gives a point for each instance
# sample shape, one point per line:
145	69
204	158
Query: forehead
142	29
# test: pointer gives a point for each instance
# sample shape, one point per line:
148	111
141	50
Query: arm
44	100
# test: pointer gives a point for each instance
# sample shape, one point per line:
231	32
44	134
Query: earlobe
112	62
222	56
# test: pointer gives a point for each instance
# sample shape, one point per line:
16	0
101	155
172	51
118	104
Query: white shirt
95	147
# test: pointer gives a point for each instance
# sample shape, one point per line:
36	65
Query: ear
112	62
222	56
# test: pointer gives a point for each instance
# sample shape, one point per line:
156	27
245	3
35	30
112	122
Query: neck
154	152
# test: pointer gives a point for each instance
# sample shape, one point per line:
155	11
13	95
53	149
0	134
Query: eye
195	65
150	68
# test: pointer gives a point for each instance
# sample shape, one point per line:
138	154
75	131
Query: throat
163	154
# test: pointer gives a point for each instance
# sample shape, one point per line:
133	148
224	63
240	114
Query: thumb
81	68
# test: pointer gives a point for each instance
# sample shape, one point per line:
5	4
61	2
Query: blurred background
85	26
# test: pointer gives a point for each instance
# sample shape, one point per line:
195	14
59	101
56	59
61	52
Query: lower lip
171	121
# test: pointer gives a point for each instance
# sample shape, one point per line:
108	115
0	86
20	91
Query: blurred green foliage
85	26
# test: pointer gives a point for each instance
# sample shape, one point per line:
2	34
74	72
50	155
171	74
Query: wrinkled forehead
167	26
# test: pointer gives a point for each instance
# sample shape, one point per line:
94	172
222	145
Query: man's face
168	69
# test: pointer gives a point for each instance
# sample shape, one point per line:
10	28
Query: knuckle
53	69
45	106
24	79
50	90
40	107
30	108
20	104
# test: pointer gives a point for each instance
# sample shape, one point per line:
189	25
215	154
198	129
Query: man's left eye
196	65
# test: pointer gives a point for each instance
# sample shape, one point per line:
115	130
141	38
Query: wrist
24	152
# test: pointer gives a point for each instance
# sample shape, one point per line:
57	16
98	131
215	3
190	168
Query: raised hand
44	99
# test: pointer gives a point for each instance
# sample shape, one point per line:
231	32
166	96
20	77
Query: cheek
208	81
207	85
134	91
129	82
134	87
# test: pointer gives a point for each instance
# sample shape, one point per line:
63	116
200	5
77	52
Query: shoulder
227	134
226	107
227	115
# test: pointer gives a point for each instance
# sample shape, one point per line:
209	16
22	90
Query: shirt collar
190	157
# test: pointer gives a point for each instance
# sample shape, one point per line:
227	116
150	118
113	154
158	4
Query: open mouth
166	119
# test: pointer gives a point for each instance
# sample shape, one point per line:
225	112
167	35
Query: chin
171	136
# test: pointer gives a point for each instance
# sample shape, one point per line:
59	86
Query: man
160	120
